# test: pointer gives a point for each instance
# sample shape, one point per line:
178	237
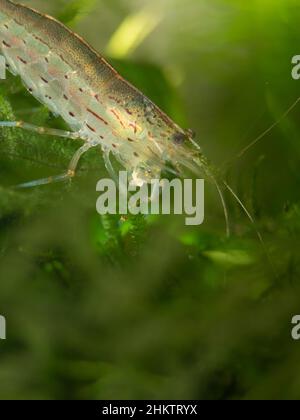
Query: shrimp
102	109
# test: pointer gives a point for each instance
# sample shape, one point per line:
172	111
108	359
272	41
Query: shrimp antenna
194	167
235	196
224	205
245	210
205	166
209	172
261	136
222	198
250	217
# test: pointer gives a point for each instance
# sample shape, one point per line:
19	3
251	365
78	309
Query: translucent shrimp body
69	77
64	73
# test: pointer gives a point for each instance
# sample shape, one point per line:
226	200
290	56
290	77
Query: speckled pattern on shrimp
64	73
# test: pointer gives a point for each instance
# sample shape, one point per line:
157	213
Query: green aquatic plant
109	307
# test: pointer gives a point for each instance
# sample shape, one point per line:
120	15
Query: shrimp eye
179	138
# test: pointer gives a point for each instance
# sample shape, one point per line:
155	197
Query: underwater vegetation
101	307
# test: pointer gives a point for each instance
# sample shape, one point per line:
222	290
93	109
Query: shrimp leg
68	175
109	166
40	130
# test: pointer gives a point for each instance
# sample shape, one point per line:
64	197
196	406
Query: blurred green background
101	308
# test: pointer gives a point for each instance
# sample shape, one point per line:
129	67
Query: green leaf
230	258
